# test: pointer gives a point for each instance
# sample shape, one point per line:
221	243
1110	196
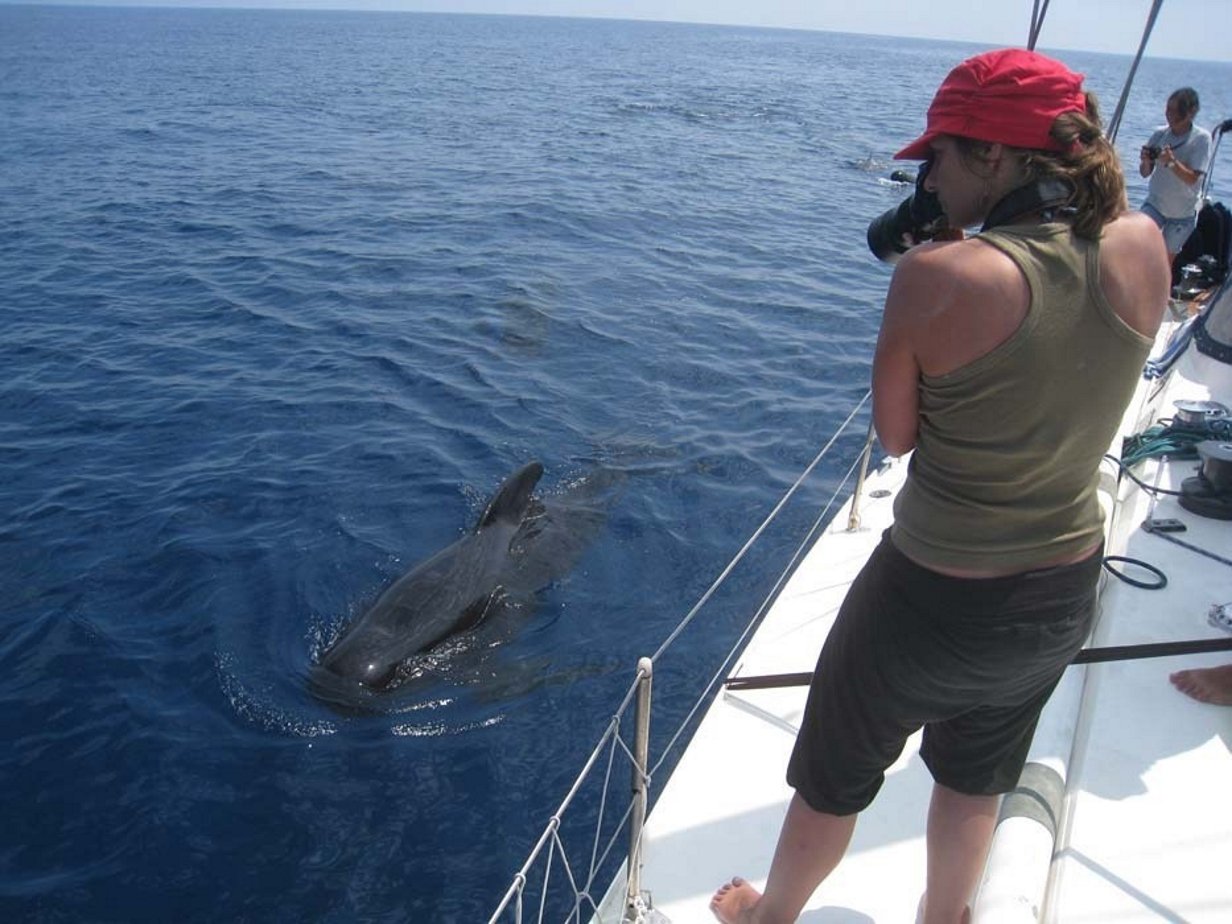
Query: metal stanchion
637	819
853	521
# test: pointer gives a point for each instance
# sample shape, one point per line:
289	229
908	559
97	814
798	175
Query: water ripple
286	296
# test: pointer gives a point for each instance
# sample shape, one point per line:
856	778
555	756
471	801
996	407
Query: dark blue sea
285	296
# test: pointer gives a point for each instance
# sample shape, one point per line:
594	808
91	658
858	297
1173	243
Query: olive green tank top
1006	463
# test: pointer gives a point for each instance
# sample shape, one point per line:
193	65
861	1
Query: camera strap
1048	196
1180	142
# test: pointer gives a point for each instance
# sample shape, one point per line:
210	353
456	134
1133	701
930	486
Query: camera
1152	152
913	221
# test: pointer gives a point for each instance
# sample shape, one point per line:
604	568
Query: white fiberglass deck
720	812
1147	834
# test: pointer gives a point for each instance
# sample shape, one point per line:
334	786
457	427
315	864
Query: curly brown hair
1089	161
1086	160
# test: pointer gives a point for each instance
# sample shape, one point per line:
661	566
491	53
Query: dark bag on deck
1206	248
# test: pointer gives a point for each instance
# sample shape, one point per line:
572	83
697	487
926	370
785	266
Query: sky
1185	28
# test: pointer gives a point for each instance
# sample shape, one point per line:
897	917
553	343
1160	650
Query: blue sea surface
286	295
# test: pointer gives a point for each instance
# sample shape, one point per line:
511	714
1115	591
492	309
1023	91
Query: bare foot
1206	684
919	912
734	901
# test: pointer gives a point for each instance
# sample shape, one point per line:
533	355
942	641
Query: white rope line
550	838
547	868
757	532
584	897
554	822
598	859
725	666
612	733
607	783
564	861
614	741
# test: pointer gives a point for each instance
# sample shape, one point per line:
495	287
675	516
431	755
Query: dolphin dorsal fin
511	501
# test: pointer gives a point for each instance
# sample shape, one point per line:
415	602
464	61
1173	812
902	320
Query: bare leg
810	845
1206	684
960	828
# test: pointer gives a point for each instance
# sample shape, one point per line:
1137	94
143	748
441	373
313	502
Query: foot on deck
1206	684
733	903
919	912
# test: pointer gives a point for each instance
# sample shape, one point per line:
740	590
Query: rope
1169	438
522	876
607	783
550	838
718	582
738	645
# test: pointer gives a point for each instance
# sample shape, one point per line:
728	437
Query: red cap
1009	96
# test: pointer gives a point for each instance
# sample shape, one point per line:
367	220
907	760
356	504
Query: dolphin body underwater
515	548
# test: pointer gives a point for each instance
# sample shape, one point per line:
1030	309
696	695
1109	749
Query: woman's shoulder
967	286
1132	235
966	270
1134	270
970	258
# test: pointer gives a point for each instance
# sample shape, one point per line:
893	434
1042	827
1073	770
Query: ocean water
285	296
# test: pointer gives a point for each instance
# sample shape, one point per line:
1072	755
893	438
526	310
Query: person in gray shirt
1175	158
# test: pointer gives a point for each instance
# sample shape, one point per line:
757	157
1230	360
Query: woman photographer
1005	360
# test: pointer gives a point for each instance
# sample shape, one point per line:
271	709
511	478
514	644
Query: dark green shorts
970	661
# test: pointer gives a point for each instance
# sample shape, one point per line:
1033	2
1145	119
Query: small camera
1152	152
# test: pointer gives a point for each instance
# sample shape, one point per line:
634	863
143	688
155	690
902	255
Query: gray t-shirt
1172	196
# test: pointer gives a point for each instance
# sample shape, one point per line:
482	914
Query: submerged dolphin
447	594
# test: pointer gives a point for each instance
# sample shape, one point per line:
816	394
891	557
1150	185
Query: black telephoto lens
914	220
886	232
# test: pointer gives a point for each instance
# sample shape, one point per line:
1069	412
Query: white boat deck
1147	832
720	812
1148	835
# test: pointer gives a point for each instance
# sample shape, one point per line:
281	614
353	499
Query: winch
1199	413
1209	493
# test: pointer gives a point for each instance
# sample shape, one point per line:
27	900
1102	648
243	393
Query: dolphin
449	593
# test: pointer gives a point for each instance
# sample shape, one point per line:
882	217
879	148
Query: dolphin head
347	690
373	675
356	665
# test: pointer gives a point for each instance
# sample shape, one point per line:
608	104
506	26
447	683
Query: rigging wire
710	591
1040	10
549	844
1115	124
738	645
